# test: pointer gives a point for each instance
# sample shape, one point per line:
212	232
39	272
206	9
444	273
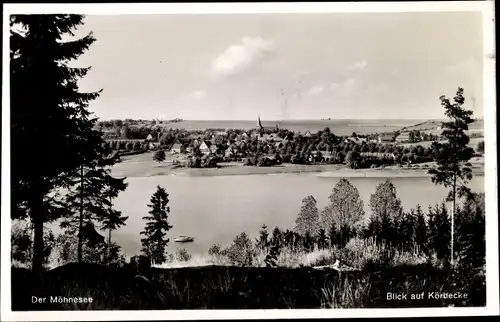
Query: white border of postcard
492	273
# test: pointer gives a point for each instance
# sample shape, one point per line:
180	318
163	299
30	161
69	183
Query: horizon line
278	120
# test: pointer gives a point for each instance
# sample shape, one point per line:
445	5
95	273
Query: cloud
350	83
316	90
359	65
199	94
238	57
347	84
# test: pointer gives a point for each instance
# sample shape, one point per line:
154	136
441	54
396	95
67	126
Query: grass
213	282
223	287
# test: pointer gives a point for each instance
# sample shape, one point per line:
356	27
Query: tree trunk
80	227
109	233
38	217
453	218
108	247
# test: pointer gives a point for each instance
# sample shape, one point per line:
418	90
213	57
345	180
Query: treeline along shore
333	258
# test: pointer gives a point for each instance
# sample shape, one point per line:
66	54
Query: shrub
22	242
66	251
183	255
215	250
480	147
241	251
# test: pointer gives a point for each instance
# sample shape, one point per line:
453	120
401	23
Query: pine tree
263	240
406	230
155	242
452	157
321	239
471	231
421	230
308	219
113	219
276	238
333	236
90	192
439	230
53	111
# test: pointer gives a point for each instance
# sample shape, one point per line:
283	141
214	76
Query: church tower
260	128
259	124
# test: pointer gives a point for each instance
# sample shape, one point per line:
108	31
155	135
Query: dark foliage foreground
218	287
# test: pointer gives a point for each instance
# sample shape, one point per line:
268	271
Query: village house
149	137
379	155
263	138
176	148
189	150
153	145
213	148
355	139
385	138
204	148
229	152
197	142
403	137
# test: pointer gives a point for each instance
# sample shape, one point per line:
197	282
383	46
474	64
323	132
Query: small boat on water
183	239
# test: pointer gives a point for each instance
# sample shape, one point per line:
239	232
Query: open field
472	143
432	125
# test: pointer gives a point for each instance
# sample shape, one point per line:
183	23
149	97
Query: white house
176	148
149	138
403	137
204	148
386	138
229	152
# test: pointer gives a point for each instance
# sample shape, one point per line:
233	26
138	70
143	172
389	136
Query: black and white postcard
185	161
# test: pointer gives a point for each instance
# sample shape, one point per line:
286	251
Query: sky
288	66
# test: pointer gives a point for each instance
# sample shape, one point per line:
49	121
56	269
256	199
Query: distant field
472	143
339	127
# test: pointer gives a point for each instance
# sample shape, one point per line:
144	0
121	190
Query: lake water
339	127
216	209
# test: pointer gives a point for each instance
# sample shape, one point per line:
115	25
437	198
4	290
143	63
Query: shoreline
323	171
142	166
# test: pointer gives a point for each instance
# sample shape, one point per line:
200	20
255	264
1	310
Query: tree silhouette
385	202
55	111
308	219
113	219
452	157
263	240
439	230
155	241
345	208
88	199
